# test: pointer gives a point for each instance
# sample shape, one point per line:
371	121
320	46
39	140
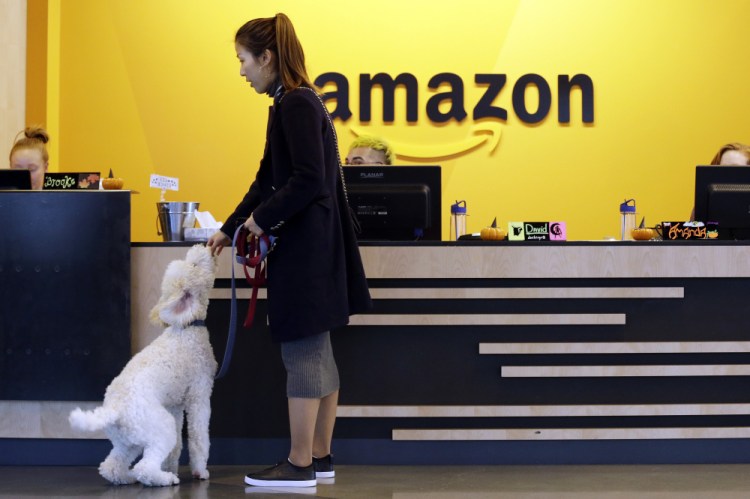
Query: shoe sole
281	483
325	474
309	491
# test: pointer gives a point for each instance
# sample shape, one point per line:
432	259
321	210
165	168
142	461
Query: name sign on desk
689	230
164	183
74	180
537	231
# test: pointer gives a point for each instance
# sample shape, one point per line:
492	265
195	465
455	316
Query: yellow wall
36	62
153	87
12	69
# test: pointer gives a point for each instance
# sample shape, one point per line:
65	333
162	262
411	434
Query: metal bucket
174	218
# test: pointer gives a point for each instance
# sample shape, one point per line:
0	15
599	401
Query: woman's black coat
315	274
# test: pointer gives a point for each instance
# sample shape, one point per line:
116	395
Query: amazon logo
451	104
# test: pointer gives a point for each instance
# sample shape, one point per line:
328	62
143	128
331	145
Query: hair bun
37	133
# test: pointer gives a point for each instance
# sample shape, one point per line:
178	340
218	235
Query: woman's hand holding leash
252	227
217	242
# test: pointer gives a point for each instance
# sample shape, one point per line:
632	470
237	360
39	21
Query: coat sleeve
243	210
301	121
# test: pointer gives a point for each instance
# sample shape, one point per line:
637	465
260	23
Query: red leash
251	253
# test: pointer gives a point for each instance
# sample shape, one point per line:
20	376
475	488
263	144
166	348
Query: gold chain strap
335	138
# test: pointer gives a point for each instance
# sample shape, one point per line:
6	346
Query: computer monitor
395	203
722	195
15	180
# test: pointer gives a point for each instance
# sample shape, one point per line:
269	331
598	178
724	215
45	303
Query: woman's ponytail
277	35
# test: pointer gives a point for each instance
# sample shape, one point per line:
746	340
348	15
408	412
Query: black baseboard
225	451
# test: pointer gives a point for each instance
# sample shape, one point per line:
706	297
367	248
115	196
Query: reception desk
590	352
64	293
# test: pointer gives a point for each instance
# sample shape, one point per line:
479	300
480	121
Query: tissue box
198	234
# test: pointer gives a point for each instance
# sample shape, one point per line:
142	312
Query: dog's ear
181	306
185	288
154	315
181	309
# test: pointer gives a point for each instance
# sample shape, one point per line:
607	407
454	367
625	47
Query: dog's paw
200	474
117	476
159	479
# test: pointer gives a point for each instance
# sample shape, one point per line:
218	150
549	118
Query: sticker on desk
515	231
537	231
558	231
72	180
689	230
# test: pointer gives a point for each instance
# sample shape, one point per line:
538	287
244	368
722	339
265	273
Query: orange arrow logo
488	133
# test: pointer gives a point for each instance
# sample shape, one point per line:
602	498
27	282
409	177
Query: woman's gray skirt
311	371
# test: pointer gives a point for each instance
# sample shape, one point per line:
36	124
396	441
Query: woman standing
315	274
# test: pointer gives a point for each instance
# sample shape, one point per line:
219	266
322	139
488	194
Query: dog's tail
92	420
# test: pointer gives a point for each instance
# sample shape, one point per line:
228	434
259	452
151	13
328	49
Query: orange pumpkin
112	183
493	232
643	233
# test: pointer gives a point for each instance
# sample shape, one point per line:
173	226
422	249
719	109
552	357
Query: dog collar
197	323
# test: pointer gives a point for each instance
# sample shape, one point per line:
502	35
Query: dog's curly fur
143	406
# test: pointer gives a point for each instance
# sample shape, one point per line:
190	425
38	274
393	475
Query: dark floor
410	482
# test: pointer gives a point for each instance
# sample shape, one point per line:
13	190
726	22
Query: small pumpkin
643	233
493	232
112	183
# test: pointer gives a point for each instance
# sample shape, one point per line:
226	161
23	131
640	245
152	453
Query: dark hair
34	137
277	35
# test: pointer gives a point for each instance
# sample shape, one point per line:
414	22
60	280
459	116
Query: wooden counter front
437	262
506	353
482	344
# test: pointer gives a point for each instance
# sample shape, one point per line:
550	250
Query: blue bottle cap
627	208
458	209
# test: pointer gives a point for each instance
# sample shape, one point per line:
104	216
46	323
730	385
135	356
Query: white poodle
143	406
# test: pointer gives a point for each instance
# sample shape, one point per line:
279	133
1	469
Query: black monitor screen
395	203
15	180
722	195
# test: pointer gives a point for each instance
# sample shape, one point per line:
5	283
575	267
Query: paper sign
558	231
537	231
165	183
76	180
689	230
515	231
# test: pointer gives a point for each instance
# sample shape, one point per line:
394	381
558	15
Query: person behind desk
315	275
30	153
369	150
734	154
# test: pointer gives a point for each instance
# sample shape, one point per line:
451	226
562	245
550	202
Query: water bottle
458	220
627	219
